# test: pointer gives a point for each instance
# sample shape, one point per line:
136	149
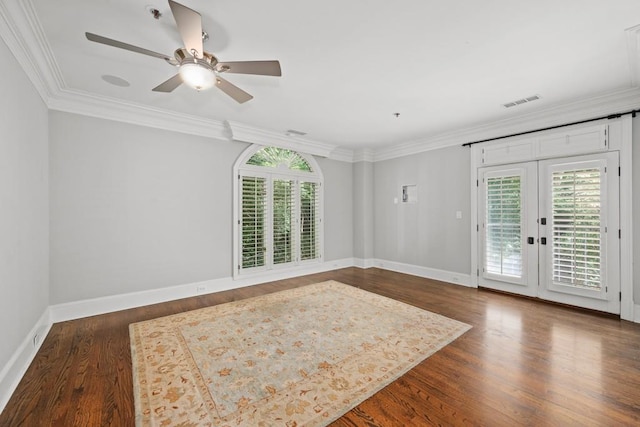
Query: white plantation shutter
278	210
503	242
309	220
253	221
283	220
576	227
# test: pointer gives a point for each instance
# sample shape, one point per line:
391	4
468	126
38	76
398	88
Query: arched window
277	210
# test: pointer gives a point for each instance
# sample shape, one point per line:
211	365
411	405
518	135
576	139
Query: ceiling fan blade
232	90
190	27
263	68
115	43
169	85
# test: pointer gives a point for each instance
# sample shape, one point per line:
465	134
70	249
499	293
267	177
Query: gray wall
338	209
636	210
135	208
24	210
363	212
426	233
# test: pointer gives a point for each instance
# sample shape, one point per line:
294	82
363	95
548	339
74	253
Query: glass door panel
579	264
507	195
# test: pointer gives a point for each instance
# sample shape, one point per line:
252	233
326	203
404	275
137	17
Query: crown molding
610	103
39	45
342	154
87	104
246	133
364	155
633	53
24	45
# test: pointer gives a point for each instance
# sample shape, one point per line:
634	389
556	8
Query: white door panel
579	264
549	229
509	261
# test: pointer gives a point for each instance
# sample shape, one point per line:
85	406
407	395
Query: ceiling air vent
292	132
521	101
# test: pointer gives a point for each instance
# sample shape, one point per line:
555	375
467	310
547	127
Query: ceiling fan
196	68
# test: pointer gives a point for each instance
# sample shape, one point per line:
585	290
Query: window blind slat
254	193
283	211
576	228
503	254
309	220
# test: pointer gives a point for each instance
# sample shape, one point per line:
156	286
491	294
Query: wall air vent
521	101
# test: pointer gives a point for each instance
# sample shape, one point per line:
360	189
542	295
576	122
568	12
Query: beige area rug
303	356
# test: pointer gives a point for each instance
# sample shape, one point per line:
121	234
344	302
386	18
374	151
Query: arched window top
281	158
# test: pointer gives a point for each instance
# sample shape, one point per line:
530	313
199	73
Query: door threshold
559	304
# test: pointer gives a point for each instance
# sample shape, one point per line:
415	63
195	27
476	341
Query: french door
549	229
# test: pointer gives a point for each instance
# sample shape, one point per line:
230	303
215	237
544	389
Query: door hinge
477	227
238	267
619	233
477	183
619	171
478	272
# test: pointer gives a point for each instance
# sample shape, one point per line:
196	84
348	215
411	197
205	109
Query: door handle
530	240
543	240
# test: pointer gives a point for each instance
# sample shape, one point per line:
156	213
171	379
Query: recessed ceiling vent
521	101
292	132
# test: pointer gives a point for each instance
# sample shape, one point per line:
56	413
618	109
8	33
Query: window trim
241	168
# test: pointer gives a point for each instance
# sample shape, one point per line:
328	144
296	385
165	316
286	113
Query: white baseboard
14	370
16	367
426	272
636	313
363	262
108	304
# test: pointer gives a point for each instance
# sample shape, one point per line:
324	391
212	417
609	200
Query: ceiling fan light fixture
197	76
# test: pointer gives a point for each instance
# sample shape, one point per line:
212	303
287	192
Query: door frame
528	148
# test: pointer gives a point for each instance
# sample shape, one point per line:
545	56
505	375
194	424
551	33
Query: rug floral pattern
298	357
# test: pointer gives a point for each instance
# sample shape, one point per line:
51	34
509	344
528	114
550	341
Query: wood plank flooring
524	362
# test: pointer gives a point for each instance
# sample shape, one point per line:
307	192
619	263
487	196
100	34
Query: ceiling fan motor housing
199	73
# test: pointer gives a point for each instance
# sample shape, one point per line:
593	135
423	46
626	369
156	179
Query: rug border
464	327
402	373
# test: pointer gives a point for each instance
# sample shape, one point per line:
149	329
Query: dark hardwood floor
524	362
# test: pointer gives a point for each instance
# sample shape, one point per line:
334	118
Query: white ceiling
348	66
